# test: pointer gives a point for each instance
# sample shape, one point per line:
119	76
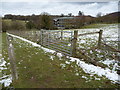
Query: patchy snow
91	69
109	30
114	67
10	45
108	62
5	76
62	65
34	44
82	41
59	55
77	74
7	80
97	78
2	62
84	77
67	62
52	57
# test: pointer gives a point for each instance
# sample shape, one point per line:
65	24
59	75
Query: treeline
45	21
109	18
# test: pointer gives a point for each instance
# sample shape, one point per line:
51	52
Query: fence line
67	45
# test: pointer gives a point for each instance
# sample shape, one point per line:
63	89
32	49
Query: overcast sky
56	8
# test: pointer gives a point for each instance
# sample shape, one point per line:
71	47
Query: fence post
100	38
61	34
41	37
12	57
74	43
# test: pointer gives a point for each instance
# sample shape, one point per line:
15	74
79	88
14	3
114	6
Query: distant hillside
109	18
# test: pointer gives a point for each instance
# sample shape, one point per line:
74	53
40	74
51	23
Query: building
71	22
64	22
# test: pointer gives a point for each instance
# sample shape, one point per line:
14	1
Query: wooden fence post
74	43
41	35
12	57
61	34
100	38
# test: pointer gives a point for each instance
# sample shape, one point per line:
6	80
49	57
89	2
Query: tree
5	26
30	25
62	15
70	14
45	21
80	13
99	14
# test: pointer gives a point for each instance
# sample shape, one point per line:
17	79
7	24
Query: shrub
5	26
30	25
18	25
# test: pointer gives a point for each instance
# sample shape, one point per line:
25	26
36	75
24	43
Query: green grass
36	70
94	26
8	21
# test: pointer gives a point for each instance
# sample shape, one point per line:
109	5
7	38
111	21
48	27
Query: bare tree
70	14
99	14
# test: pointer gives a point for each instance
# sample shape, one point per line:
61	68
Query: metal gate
60	41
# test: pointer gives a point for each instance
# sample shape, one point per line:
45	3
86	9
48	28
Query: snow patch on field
2	62
6	80
108	62
91	69
59	55
34	44
52	57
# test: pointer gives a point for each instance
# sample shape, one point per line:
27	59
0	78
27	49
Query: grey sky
56	8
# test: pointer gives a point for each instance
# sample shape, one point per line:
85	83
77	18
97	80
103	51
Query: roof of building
64	18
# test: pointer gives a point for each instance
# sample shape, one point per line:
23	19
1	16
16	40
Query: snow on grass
59	55
52	57
113	64
88	68
84	77
67	62
2	62
91	69
62	65
108	62
34	44
77	74
110	33
6	80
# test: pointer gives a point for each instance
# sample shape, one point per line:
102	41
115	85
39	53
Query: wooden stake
12	58
74	43
100	38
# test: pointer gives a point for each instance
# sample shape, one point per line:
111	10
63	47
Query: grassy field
99	25
39	69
